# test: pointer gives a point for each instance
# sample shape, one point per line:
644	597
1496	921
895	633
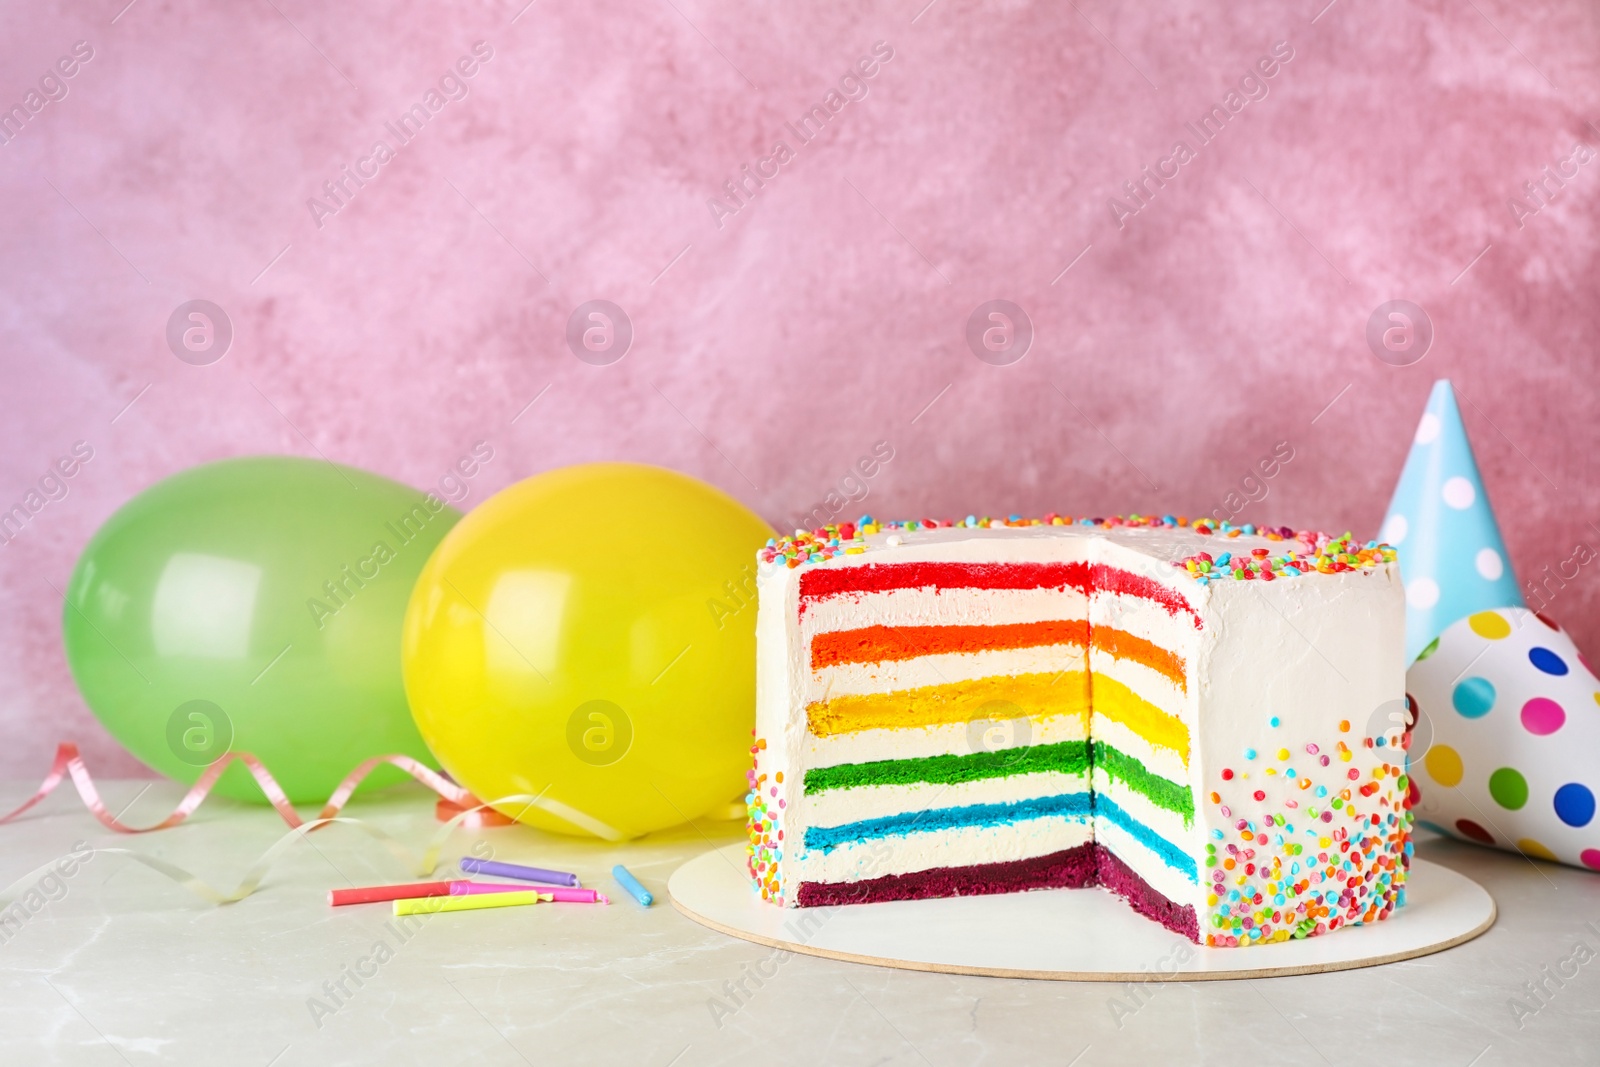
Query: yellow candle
429	905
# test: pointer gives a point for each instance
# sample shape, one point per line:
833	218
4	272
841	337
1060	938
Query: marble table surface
118	964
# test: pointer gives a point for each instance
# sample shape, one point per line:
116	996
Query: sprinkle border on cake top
1306	550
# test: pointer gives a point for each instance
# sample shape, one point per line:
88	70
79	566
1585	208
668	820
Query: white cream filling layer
1147	683
961	847
1169	824
867	746
836	807
1157	760
1144	618
1170	883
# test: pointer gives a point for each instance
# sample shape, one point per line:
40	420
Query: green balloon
255	605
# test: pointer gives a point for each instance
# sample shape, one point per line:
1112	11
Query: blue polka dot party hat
1452	558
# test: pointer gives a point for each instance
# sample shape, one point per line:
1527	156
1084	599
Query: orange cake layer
1124	645
880	644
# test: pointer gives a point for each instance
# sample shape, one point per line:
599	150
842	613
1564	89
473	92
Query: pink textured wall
774	346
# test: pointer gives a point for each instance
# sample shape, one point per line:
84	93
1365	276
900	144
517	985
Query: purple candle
516	870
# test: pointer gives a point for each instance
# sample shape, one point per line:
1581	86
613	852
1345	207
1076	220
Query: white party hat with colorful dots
1452	557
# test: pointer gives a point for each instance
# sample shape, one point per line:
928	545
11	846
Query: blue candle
631	884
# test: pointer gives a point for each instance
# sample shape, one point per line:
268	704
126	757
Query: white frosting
1169	824
1171	884
836	807
1147	683
1134	615
1156	759
864	746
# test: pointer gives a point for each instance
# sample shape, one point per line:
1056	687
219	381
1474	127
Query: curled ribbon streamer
258	870
462	807
69	761
444	810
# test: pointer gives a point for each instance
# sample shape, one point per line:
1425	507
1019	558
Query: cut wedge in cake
1177	714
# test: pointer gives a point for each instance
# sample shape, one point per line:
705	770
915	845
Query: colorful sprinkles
1315	552
1304	550
764	826
1291	873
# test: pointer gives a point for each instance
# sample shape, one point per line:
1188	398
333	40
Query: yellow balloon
588	636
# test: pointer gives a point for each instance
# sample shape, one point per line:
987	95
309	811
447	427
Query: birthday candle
559	893
372	894
475	902
631	884
515	870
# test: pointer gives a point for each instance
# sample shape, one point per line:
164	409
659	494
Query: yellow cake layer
1032	696
1120	704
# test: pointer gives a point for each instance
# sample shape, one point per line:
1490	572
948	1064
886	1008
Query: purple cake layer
1089	864
1070	868
1118	877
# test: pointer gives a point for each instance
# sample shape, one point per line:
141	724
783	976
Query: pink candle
560	894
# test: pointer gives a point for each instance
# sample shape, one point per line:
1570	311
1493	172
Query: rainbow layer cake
1177	713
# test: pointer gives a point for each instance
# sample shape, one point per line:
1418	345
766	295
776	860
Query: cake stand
1084	935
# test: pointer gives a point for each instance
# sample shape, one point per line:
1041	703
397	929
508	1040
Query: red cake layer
1082	576
1082	866
878	577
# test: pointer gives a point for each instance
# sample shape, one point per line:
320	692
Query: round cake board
1078	935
